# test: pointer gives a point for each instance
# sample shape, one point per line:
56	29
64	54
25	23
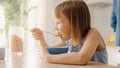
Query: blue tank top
98	56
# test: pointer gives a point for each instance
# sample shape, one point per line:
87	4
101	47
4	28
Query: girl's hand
43	55
37	34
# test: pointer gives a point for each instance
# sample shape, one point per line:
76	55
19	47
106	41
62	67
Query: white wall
101	13
101	19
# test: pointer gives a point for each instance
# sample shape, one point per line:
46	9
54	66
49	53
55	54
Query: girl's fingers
32	30
35	29
37	35
41	58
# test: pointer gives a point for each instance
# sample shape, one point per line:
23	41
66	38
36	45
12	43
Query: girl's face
63	26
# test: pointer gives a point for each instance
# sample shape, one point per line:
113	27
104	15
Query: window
2	28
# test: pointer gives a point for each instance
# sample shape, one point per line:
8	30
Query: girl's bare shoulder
94	32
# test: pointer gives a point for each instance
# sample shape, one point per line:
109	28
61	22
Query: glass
16	40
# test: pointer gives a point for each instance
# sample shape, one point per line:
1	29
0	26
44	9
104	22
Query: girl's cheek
60	28
56	27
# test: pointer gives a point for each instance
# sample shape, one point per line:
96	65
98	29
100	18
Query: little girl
72	21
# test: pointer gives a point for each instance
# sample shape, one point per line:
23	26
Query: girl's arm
82	57
38	35
59	44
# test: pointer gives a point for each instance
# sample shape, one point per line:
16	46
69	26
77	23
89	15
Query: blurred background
20	16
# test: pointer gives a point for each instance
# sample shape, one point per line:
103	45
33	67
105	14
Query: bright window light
2	28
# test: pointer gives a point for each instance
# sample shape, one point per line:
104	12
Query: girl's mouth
57	33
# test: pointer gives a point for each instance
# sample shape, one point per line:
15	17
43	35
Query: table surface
32	60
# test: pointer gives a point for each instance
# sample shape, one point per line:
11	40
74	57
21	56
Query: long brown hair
78	14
